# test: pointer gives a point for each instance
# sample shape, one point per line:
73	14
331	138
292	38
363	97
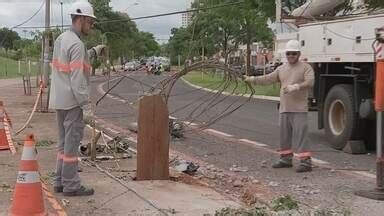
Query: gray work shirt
70	72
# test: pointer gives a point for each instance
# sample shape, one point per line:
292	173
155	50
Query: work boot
58	189
284	162
304	166
82	191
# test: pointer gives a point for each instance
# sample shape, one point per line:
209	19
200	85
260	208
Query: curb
260	97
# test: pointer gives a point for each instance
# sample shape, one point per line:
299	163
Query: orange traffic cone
28	195
3	137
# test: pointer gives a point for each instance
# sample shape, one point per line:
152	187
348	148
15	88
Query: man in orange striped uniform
70	96
296	79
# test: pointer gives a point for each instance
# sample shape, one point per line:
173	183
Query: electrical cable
146	17
24	22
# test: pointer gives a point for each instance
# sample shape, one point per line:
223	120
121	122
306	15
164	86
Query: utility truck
341	50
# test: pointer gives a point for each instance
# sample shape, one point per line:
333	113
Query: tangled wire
213	105
226	95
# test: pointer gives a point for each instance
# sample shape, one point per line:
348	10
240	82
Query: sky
13	12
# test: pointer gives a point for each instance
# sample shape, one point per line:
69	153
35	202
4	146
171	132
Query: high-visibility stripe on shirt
67	68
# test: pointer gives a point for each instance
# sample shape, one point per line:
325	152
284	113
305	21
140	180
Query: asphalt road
256	121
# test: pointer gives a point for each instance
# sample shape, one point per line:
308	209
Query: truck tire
340	120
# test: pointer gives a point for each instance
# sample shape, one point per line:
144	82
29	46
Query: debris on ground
4	187
133	126
187	167
126	156
235	168
237	183
116	145
65	202
273	184
326	212
176	128
105	157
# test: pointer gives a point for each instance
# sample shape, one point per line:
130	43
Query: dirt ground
213	188
111	198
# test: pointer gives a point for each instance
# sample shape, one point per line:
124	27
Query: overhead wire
147	17
22	23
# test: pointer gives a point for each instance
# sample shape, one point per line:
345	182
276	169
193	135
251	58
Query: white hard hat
82	8
292	46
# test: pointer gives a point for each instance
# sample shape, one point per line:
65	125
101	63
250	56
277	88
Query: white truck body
341	40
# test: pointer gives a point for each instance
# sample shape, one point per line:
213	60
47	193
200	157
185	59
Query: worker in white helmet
69	96
296	79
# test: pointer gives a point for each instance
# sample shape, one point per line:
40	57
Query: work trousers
294	133
71	130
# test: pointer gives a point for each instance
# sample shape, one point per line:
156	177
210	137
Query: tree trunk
93	71
225	51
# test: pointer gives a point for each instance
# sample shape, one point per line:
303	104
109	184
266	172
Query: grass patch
215	81
284	203
9	68
257	211
43	143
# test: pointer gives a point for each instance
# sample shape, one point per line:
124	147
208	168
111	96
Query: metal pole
379	150
378	192
29	78
178	60
46	41
62	19
46	47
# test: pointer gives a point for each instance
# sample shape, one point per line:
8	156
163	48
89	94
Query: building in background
186	18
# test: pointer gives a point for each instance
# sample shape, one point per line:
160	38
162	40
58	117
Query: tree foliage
123	37
223	29
8	38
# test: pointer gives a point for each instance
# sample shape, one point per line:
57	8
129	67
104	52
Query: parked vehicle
340	51
131	66
166	64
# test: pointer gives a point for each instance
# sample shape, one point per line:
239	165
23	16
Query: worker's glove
99	50
87	112
291	88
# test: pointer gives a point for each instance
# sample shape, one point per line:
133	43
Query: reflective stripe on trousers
71	129
293	134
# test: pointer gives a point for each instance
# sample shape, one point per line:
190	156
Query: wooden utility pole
153	139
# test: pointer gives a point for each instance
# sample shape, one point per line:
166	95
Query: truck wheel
340	119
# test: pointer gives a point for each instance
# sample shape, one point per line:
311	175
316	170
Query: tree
253	28
218	26
178	44
375	3
151	47
8	38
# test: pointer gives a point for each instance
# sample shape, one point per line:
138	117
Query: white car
130	66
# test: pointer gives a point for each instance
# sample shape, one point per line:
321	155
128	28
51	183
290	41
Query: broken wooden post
153	139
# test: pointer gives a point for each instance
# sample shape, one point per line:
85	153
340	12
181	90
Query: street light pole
62	19
131	5
46	59
46	41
